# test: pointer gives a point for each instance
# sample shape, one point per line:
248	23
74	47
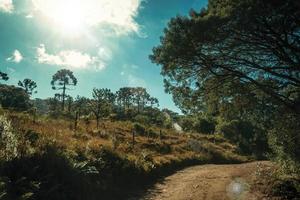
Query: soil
209	182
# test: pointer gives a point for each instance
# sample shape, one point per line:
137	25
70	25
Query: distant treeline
128	103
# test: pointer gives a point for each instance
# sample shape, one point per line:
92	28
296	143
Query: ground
209	182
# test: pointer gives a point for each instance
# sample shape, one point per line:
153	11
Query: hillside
53	159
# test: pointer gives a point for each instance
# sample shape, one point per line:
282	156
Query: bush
152	133
142	119
187	123
287	189
195	145
9	141
53	174
284	141
139	129
205	126
248	138
14	98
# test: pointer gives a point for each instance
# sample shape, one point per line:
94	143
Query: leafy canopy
232	45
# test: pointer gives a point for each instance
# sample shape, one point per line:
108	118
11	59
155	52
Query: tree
124	97
140	97
153	101
205	126
238	61
14	98
61	80
3	76
81	107
251	42
28	85
70	102
102	102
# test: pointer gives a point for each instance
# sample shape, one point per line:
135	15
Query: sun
66	15
69	15
80	17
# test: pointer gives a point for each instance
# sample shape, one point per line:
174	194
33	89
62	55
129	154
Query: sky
106	43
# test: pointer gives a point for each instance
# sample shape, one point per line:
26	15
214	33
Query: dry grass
117	135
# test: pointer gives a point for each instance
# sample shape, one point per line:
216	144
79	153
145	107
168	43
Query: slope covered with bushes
55	162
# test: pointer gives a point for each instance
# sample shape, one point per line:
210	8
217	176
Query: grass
273	183
90	162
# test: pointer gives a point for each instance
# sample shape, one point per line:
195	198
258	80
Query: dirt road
209	182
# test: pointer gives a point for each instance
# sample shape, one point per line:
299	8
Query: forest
233	69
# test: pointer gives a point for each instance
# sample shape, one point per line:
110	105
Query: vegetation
52	161
232	68
237	62
60	81
28	85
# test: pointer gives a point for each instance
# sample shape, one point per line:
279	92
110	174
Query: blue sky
106	43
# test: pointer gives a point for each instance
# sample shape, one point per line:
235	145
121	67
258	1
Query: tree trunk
76	120
133	138
63	96
160	135
97	120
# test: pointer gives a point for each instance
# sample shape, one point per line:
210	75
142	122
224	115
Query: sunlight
73	16
67	15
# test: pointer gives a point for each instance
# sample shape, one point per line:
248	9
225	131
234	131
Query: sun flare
68	15
74	16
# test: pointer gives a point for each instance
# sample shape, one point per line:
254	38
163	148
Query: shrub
152	133
187	123
249	139
142	119
284	141
195	145
14	98
205	126
9	141
287	189
139	129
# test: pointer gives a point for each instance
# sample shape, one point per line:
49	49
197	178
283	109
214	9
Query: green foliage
152	133
135	99
143	119
55	175
207	50
198	124
249	138
61	80
102	103
287	189
8	140
28	85
3	76
41	105
14	98
237	61
139	129
187	123
284	140
205	126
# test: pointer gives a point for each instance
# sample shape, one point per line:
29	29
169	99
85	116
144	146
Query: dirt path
211	182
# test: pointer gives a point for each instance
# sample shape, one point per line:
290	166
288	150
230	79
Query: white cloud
29	16
119	15
6	6
134	81
16	57
129	73
73	58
